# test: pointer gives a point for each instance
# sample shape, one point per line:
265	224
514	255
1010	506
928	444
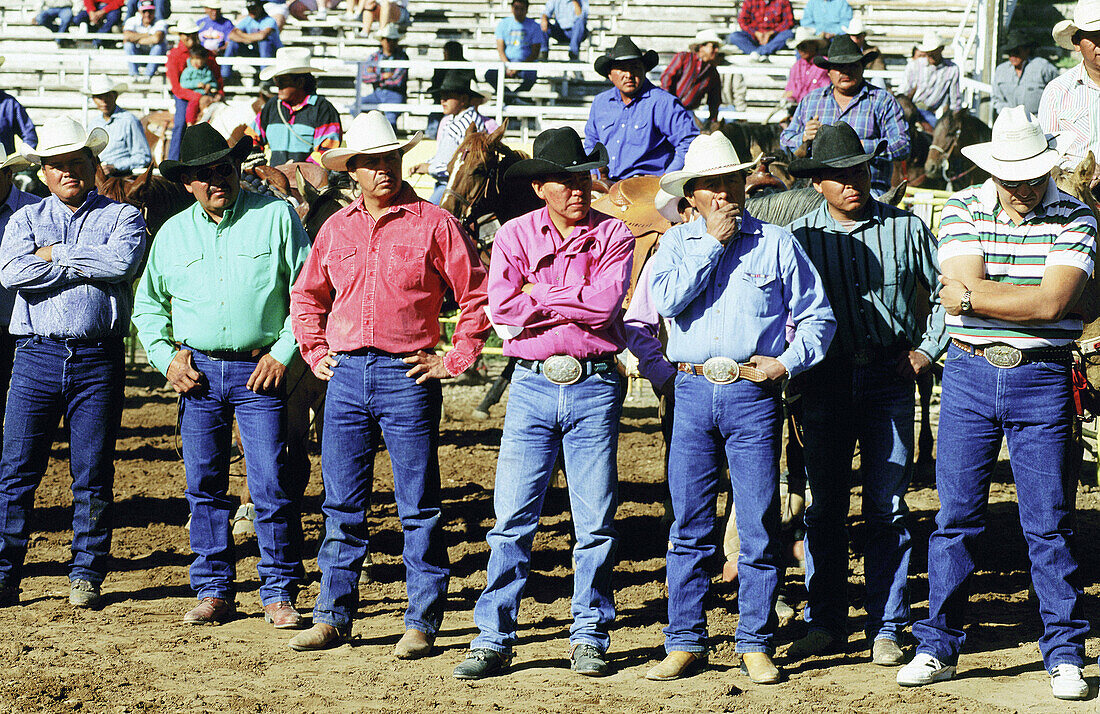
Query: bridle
945	157
468	214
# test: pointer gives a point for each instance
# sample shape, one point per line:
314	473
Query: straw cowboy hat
1019	151
212	4
843	50
836	146
202	145
632	202
102	84
856	26
368	134
931	42
15	162
708	155
62	135
290	60
558	151
802	35
1086	17
702	37
666	204
186	26
624	50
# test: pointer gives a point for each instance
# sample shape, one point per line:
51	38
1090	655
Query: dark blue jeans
743	420
179	123
105	25
1031	407
573	36
370	398
206	430
382	95
746	42
164	8
527	79
263	48
82	381
871	404
56	19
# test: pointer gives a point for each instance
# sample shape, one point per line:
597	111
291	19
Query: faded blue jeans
1031	407
543	419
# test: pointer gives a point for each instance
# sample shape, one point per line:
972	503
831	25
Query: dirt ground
135	655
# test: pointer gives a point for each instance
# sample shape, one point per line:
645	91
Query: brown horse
954	132
156	197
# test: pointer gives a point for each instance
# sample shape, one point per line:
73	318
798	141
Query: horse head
472	171
945	142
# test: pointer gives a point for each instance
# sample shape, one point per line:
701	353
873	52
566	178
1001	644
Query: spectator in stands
163	7
871	111
385	12
827	17
1020	80
934	83
692	76
100	16
452	52
254	36
14	120
56	15
214	28
298	124
805	76
766	25
457	99
127	150
188	32
199	78
143	34
858	32
519	39
646	130
565	21
389	84
1070	103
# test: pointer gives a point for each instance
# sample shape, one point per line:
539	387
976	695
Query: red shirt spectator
765	16
105	5
173	67
693	76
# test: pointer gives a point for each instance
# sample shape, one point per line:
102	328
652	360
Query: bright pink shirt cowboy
578	283
380	285
804	77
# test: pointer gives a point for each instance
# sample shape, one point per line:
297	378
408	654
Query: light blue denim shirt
735	300
128	149
16	200
84	292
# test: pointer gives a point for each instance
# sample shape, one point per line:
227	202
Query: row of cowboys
232	291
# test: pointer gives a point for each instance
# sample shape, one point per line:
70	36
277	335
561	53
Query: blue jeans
82	381
744	420
178	125
572	37
581	421
877	407
105	25
370	398
263	48
56	19
164	8
1029	405
381	96
132	48
527	80
746	42
206	432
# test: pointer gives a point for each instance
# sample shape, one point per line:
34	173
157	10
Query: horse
156	197
919	143
954	132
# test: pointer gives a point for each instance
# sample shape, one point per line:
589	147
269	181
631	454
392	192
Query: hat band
1046	147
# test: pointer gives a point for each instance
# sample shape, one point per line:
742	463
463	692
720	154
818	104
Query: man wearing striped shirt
1016	253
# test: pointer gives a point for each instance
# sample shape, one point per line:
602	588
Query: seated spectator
277	11
199	78
692	76
934	82
214	27
100	17
388	84
1020	80
566	21
826	17
457	99
385	12
858	32
178	57
452	52
766	25
805	76
56	15
254	36
164	8
127	149
143	34
298	124
519	39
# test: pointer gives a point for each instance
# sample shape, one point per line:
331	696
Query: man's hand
762	37
45	253
810	131
95	16
428	366
421	168
182	374
770	366
323	370
722	222
912	364
951	295
511	73
268	375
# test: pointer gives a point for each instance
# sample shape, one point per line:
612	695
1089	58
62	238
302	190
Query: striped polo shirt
1070	108
1060	231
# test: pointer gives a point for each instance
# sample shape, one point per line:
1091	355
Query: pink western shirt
380	285
578	283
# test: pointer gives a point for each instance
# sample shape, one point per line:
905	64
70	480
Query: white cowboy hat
931	42
186	26
369	133
708	155
212	4
805	34
702	37
61	135
15	162
1019	151
390	32
290	60
102	84
666	205
1086	17
856	26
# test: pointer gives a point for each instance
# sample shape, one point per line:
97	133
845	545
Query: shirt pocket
758	294
180	279
406	268
254	267
342	265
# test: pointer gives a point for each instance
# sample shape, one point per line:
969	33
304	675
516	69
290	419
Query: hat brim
337	159
638	217
829	63
16	162
173	170
533	168
96	141
819	41
603	63
469	92
810	167
1065	29
982	156
117	89
673	182
272	71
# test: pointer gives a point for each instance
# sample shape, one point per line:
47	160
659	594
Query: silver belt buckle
562	369
1003	356
721	370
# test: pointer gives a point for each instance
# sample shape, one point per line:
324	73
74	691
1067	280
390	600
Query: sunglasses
207	174
1033	183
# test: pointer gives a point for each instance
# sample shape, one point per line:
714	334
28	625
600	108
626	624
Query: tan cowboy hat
186	26
1086	17
211	4
666	204
61	135
708	155
15	162
931	42
856	26
290	60
631	201
1019	151
102	84
369	133
702	37
803	35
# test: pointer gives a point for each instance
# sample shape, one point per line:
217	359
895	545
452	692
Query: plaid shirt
766	16
873	113
691	80
372	75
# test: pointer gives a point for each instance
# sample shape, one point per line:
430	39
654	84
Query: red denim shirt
381	284
766	16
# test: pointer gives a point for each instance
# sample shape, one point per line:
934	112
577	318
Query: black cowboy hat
457	81
1016	39
836	146
624	50
558	151
843	50
202	145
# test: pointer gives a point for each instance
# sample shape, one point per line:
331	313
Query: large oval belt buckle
721	370
1003	356
562	369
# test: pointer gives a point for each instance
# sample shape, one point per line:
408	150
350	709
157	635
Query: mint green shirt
222	286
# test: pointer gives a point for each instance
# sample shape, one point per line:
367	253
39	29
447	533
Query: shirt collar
549	237
89	200
987	198
616	95
874	215
311	99
406	200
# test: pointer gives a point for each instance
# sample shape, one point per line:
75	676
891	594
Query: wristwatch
965	303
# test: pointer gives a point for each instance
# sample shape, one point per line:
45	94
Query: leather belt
723	370
566	369
1007	356
232	355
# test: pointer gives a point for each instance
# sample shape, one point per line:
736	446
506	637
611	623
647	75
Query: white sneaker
756	57
925	669
1066	682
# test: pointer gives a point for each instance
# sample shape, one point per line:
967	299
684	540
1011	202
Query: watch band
965	303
